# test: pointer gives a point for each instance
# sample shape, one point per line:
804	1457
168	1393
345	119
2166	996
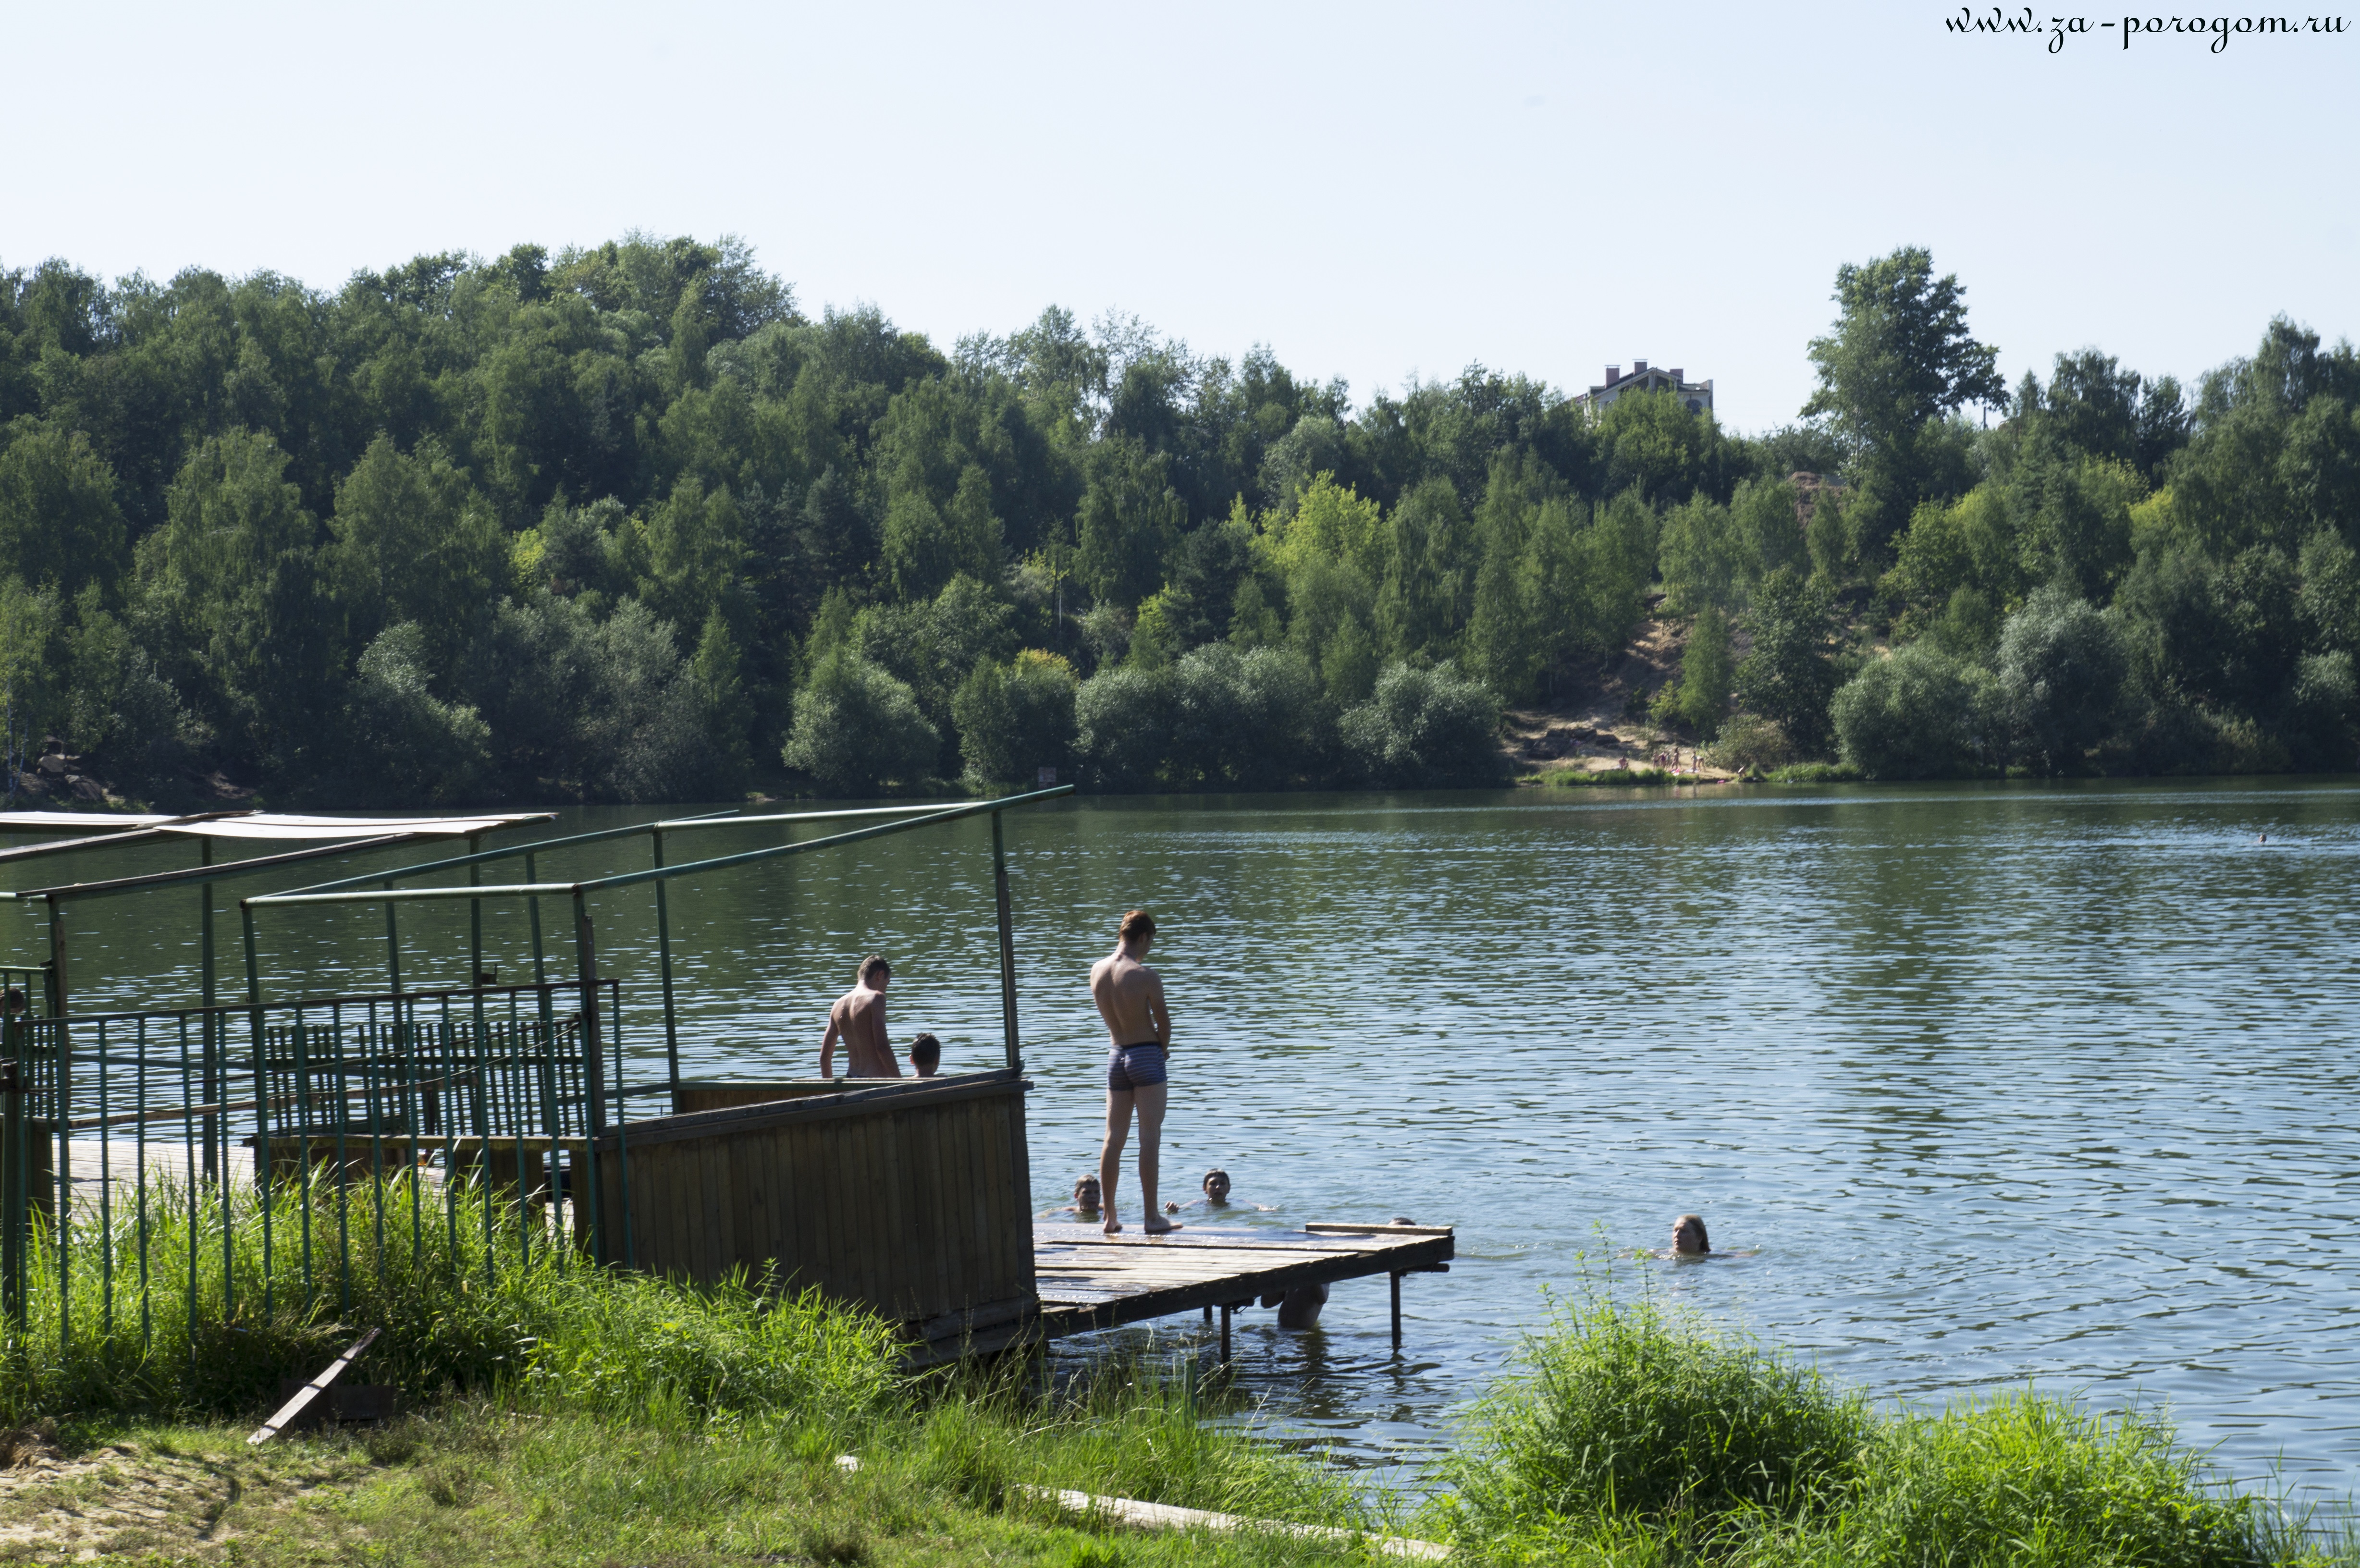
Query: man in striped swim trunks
1131	999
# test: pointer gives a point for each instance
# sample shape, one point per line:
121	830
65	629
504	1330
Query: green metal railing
379	1114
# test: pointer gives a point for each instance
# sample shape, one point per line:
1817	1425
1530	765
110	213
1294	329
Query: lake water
2006	1082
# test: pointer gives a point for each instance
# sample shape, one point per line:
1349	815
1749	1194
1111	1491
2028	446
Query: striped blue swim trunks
1133	1067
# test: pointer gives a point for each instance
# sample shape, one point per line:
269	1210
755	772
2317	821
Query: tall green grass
1633	1435
466	1294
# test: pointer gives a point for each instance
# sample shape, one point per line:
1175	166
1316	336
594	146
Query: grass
1603	777
574	1414
1634	1436
1816	773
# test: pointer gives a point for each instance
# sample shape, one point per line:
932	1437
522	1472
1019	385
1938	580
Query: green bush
1123	718
2024	1480
1919	714
1425	729
1749	740
1632	1435
1016	719
1245	718
2061	667
856	727
1217	717
1626	1409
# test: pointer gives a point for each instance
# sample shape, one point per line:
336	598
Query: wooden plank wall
720	1094
912	1198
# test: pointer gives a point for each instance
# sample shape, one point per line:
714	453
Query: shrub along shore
571	1413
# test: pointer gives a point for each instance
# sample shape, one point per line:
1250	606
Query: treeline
627	523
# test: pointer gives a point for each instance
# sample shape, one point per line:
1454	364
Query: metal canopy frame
59	899
358	891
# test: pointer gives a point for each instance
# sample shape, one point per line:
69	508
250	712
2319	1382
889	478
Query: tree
1016	719
1790	675
2061	675
1918	713
1899	357
1700	698
1427	729
856	728
60	524
412	543
404	745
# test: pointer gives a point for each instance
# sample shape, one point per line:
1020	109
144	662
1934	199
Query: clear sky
1376	191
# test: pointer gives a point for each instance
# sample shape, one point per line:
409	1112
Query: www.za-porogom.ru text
2218	30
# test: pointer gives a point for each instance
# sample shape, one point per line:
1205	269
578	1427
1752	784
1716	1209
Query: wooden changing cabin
911	1197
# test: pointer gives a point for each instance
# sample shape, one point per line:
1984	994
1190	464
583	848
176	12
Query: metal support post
1226	1310
474	915
663	963
532	911
1396	1278
16	1165
209	1033
392	944
1007	946
593	1074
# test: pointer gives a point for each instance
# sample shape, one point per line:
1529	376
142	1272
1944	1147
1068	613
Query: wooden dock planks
1091	1281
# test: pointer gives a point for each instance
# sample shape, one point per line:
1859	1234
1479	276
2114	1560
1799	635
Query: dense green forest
627	523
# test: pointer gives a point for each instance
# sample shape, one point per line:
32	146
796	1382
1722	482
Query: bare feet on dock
1157	1224
1113	1226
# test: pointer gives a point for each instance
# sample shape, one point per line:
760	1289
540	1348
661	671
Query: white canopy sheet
278	825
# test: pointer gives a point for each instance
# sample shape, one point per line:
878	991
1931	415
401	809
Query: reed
1633	1435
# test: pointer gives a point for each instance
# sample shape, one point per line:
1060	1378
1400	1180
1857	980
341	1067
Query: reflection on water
2006	1082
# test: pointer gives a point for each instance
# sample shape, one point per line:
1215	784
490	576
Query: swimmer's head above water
1216	1185
1689	1238
1085	1193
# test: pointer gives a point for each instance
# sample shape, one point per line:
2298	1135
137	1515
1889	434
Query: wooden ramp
1087	1279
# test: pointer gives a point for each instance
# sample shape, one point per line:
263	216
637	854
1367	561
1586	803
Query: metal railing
327	1132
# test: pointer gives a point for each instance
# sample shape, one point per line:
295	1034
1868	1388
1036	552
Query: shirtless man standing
858	1018
1131	999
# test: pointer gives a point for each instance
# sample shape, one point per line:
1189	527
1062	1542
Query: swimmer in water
1217	1195
1689	1240
1086	1198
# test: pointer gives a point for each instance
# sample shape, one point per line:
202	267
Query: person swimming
1086	1198
1689	1240
1215	1187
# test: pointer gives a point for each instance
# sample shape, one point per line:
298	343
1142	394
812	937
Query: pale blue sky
1375	191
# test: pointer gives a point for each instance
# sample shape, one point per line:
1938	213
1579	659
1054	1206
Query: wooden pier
1087	1279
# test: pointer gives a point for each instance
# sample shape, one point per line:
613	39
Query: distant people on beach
1129	998
859	1019
926	1056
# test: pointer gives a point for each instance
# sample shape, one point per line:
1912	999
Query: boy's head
1085	1193
1138	929
875	972
1216	1185
926	1056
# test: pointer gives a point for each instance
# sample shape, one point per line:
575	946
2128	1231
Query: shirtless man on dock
1131	999
859	1019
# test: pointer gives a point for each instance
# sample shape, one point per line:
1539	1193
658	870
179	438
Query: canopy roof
260	824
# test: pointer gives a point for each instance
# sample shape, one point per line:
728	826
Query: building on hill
1697	395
